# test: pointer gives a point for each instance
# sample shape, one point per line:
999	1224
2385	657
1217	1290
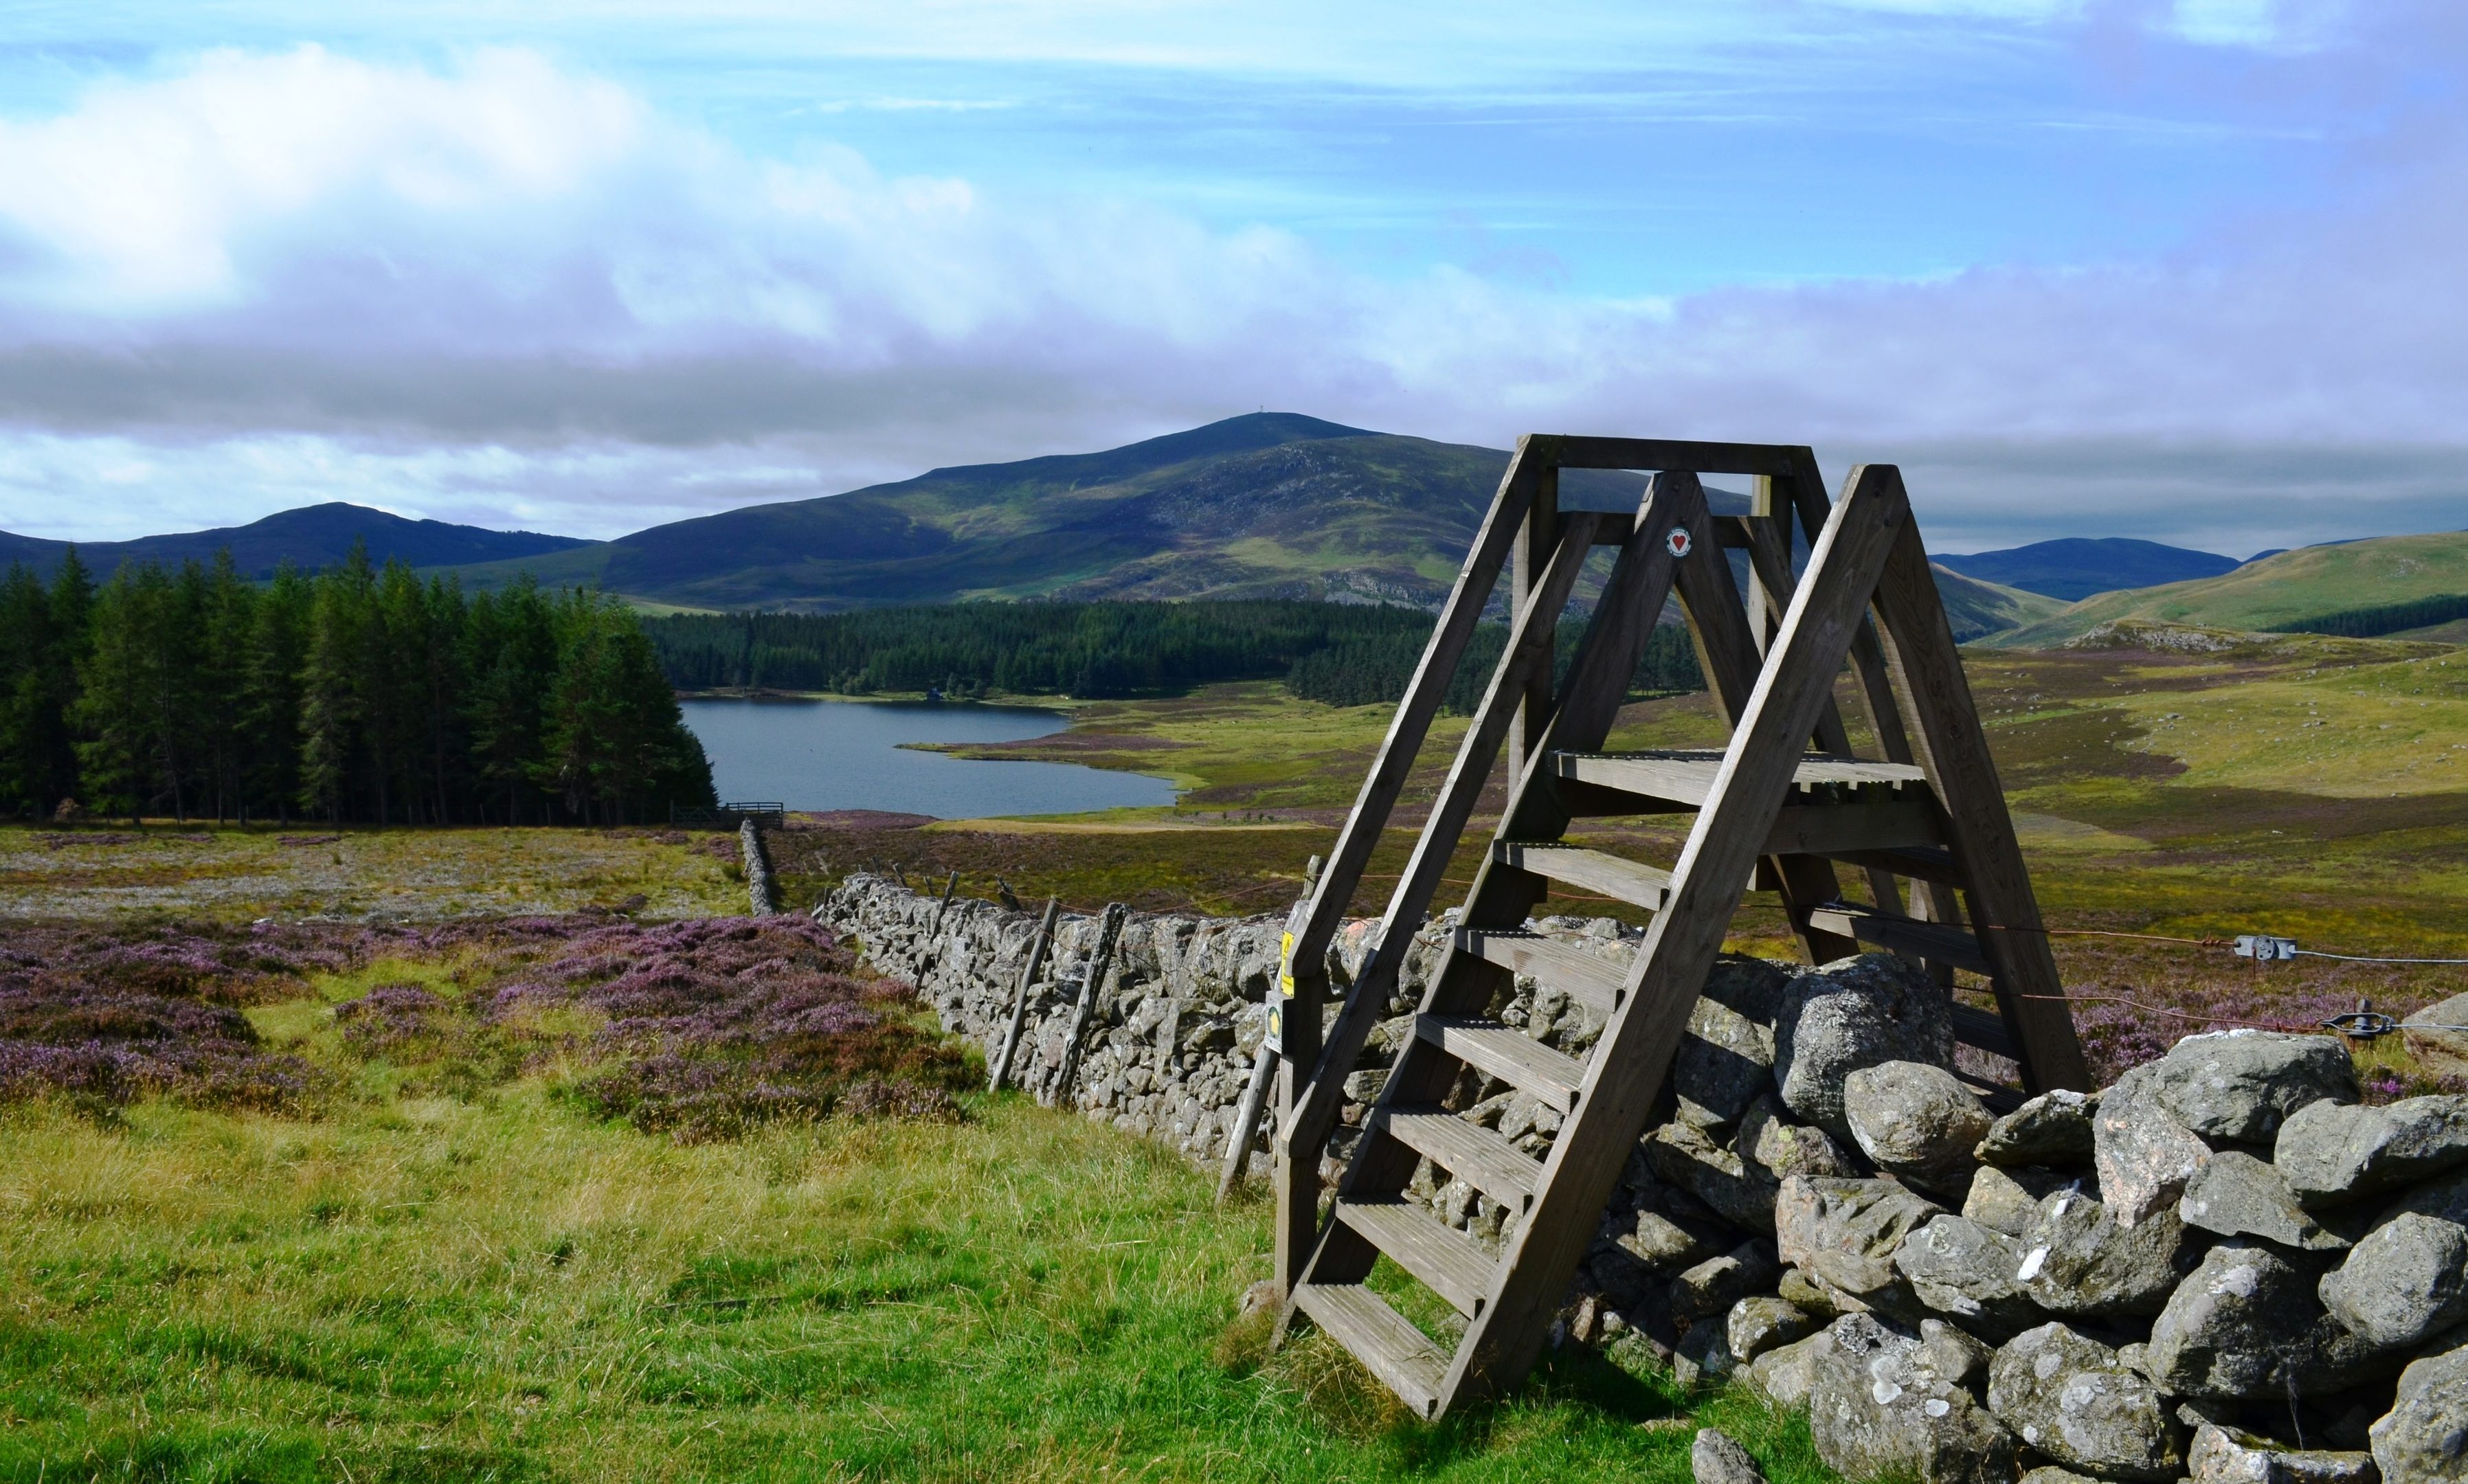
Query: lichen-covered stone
1880	1404
2229	1455
2242	1084
2331	1153
2145	1154
2052	1130
1787	1373
2405	1282
1782	1148
2245	1325
1965	1271
1717	1458
1713	1286
1845	1232
1850	1014
2078	1262
1725	1059
2008	1200
1915	1120
2424	1437
1688	1157
2236	1195
1763	1322
2071	1398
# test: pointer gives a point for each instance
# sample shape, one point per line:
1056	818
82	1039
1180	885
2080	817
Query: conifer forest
360	694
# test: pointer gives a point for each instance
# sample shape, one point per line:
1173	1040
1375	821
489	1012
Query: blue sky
2183	271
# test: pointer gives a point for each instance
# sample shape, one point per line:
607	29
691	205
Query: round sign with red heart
1679	541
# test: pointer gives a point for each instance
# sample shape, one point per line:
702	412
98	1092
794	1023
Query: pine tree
270	701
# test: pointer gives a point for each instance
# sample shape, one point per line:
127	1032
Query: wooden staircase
1782	806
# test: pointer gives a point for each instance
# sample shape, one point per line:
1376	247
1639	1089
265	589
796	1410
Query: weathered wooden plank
1634	1056
1835	829
1028	972
1686	776
1593	982
1474	1153
1508	1054
1403	1356
1447	1262
1633	881
1677	455
1313	1114
1951	744
1897	934
1984	1029
1305	970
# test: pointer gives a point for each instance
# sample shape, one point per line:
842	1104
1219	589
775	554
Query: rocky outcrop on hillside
2224	1267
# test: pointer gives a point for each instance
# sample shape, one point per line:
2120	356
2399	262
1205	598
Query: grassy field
417	1288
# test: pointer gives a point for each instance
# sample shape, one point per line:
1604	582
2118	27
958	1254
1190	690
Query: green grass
501	1288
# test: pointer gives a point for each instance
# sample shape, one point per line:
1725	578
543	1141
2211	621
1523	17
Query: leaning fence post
1085	1010
1037	947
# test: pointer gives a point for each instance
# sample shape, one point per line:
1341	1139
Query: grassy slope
427	1290
2293	586
1977	607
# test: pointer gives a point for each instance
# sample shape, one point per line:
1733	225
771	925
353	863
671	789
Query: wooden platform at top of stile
1784	803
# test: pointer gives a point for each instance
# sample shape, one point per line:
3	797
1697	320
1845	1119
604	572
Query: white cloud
511	293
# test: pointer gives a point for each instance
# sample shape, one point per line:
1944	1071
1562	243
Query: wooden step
1938	941
1919	862
1596	983
1686	777
1508	1054
1450	1262
1475	1154
1632	881
1404	1358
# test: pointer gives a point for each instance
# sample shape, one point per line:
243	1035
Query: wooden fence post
1090	985
1036	948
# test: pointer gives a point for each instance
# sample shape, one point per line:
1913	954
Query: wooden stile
1928	811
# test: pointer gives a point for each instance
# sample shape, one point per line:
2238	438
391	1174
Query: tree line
1345	654
2385	618
356	694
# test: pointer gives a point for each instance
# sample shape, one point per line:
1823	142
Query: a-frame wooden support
1784	803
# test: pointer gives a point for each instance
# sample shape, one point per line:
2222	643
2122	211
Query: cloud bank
507	291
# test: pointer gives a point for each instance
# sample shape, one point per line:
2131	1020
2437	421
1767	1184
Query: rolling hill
2274	592
1264	505
314	535
2076	567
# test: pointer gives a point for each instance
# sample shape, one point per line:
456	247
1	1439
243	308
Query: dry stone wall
2224	1268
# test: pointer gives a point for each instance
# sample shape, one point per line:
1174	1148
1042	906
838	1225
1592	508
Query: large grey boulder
1844	1233
1726	1061
2079	1262
2072	1399
2424	1438
1717	1458
1965	1271
2407	1281
2242	1084
2144	1153
2052	1128
2332	1152
1881	1403
2236	1195
2245	1325
1850	1014
1762	1322
1915	1120
2229	1455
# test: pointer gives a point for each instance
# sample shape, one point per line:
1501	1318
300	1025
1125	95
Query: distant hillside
314	535
1976	610
2076	567
2294	587
1266	505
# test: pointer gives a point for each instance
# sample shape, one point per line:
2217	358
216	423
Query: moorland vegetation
360	694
